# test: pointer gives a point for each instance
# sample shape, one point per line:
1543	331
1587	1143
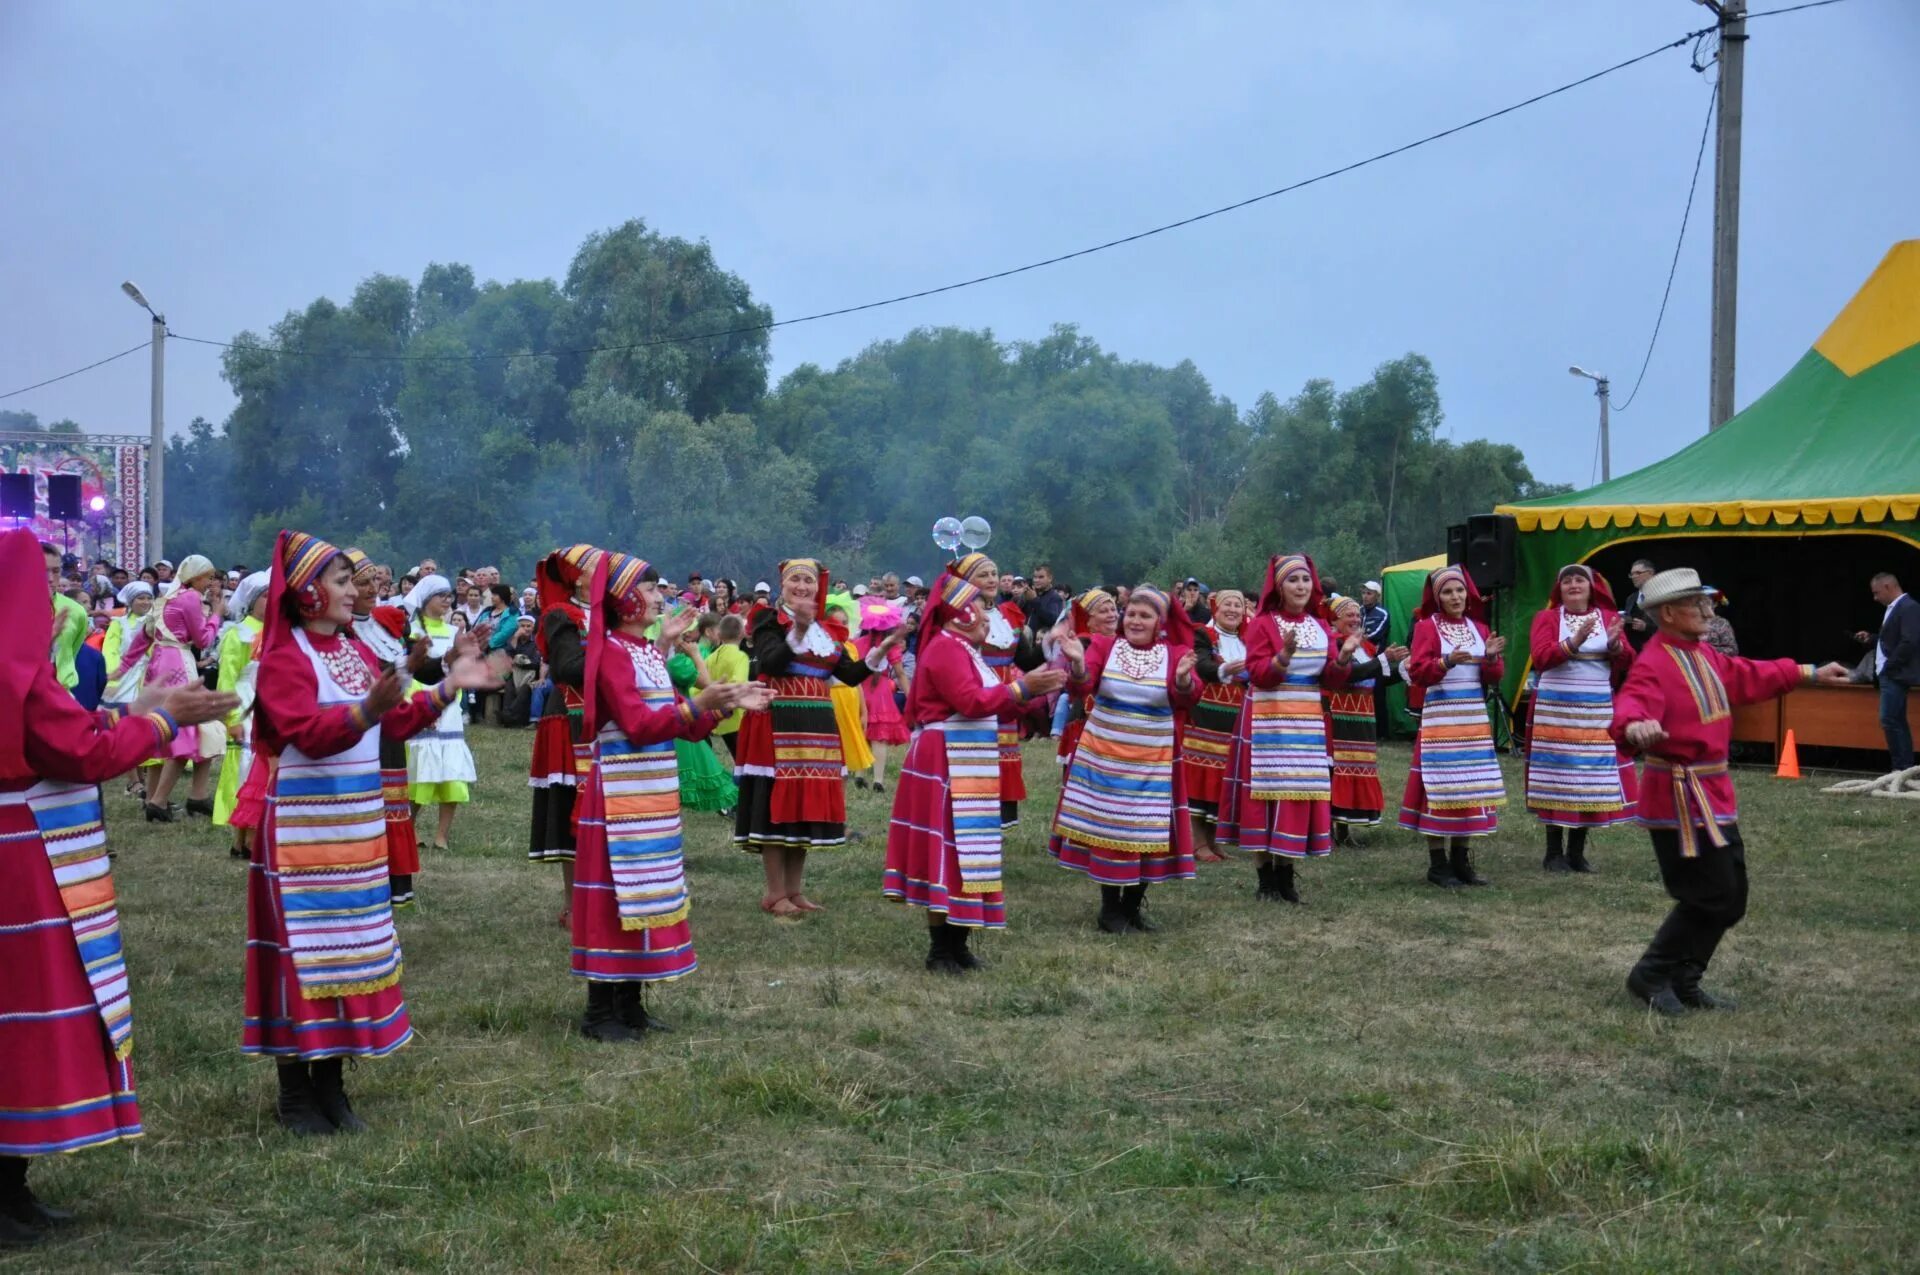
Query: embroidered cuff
362	719
688	713
1807	672
164	725
442	696
1020	692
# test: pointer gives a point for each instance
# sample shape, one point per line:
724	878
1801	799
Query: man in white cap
1676	711
762	591
1374	623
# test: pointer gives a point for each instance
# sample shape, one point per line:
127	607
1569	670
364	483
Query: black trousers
1710	897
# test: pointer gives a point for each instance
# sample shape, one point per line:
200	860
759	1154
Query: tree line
399	422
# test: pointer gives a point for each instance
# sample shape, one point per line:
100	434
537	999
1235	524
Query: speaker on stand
16	496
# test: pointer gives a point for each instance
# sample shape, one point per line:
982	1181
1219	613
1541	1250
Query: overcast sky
238	160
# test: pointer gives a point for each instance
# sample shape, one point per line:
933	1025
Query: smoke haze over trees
679	450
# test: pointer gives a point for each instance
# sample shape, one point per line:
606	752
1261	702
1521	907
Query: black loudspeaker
1490	551
1457	543
63	497
16	495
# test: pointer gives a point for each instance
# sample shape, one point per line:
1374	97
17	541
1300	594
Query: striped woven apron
1458	768
327	859
973	780
1210	726
1119	790
640	791
1287	732
73	830
1571	761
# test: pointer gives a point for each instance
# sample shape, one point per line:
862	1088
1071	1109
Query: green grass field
1393	1078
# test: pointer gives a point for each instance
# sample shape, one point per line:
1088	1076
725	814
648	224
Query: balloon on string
975	532
946	534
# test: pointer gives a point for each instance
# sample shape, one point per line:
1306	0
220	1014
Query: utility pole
157	445
1726	208
1603	389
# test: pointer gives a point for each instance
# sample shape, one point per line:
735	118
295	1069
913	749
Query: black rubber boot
1113	915
1577	851
1439	872
330	1095
1687	989
940	944
630	1003
602	1019
22	1215
401	888
1283	887
1556	860
1132	899
1342	833
1269	891
200	806
1461	860
961	936
1650	988
298	1106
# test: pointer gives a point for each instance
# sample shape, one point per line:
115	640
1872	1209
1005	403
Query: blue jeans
1893	720
540	692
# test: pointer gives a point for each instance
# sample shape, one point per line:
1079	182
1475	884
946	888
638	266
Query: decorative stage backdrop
112	470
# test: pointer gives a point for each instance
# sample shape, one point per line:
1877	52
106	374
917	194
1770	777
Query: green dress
704	782
237	667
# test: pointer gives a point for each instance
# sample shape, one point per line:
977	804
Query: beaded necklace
1303	631
346	667
1457	632
1135	662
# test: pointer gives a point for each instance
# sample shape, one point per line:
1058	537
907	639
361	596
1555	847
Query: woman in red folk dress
944	841
1352	736
790	768
1221	649
1577	780
1122	817
66	1026
630	901
1092	614
323	962
1008	649
1277	802
561	752
1454	788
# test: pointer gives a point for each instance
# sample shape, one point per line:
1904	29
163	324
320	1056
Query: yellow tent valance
1841	511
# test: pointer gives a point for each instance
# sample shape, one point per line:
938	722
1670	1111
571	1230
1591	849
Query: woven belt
1689	796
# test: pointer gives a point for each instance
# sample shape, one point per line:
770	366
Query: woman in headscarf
1009	649
1277	802
706	784
1577	780
1353	738
1221	651
880	622
1454	789
1122	817
323	962
789	766
630	902
383	631
176	629
561	754
944	840
1092	614
439	764
123	687
66	1026
239	666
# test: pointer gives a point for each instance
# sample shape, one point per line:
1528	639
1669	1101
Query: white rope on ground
1900	783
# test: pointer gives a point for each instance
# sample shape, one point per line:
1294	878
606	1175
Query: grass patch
1393	1078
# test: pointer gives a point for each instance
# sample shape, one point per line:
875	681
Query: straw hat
1673	586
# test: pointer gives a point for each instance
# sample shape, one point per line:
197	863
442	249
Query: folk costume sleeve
1492	667
768	646
1098	649
619	700
566	653
1756	681
1207	655
954	687
1181	699
1544	644
1335	675
1425	663
69	743
1266	659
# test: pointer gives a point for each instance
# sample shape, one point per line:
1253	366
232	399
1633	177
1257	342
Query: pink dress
885	725
170	645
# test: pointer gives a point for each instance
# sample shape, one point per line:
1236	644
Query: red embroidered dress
1576	776
1209	735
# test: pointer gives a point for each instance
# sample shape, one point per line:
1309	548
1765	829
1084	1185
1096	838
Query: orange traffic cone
1789	760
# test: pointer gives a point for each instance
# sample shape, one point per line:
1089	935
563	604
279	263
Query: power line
745	329
1713	100
77	371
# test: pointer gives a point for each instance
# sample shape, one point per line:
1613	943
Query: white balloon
975	532
946	534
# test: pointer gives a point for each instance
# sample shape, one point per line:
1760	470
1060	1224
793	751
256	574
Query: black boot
602	1019
1263	867
22	1215
1342	833
200	806
940	943
1113	914
1648	986
1439	872
1687	989
401	888
159	814
1461	861
1283	885
1577	851
330	1095
1556	860
961	935
630	1003
298	1107
1132	899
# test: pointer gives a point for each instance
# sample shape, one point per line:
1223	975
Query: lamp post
1601	388
157	447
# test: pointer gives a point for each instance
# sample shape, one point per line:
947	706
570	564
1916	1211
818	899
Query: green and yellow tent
1790	506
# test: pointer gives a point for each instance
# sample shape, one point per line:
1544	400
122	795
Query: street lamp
157	446
1601	387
